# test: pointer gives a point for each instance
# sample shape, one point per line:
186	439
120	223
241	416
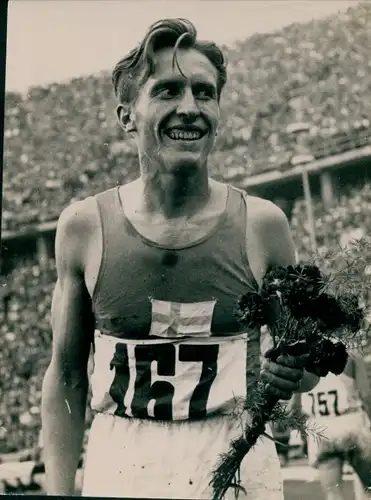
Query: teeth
184	135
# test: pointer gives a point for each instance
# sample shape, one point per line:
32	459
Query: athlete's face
176	116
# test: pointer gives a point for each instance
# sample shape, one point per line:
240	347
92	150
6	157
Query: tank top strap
110	212
236	210
242	194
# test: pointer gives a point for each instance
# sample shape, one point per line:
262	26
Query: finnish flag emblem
176	320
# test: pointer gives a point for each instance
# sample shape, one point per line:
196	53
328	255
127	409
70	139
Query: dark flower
250	310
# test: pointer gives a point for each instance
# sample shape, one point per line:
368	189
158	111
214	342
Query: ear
126	118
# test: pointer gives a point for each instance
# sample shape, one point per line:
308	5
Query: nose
188	109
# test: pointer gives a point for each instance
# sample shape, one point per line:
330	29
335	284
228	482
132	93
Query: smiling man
150	273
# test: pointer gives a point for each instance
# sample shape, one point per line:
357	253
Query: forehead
194	66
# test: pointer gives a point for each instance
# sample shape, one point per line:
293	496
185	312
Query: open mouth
179	134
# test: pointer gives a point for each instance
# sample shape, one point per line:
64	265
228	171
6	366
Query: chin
186	165
186	168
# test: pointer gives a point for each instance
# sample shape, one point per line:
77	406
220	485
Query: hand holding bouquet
310	328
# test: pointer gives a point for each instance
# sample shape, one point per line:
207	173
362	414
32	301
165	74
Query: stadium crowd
348	218
25	348
62	144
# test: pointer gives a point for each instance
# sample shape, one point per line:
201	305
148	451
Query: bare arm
280	251
65	385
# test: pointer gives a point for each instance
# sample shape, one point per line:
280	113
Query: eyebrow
179	80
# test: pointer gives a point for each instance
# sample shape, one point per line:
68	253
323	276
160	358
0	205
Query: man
150	273
340	406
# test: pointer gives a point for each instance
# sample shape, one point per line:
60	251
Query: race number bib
328	399
324	404
165	380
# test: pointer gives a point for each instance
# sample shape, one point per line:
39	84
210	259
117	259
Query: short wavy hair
131	72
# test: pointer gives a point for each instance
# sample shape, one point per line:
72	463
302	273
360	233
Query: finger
294	374
292	361
278	393
279	383
286	396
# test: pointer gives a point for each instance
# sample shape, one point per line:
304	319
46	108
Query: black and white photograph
185	266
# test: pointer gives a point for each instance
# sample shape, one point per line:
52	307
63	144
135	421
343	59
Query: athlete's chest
160	312
178	232
145	291
173	235
185	227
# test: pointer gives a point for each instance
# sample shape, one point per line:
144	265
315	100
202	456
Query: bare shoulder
76	225
262	212
269	227
79	216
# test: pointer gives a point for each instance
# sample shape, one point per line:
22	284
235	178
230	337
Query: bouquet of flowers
305	312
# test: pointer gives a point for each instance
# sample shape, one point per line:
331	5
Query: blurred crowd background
62	143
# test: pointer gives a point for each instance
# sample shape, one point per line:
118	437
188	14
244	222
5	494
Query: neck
175	195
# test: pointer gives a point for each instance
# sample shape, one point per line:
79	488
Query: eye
204	92
169	91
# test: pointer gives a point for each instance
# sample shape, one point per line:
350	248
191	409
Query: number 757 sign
324	404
